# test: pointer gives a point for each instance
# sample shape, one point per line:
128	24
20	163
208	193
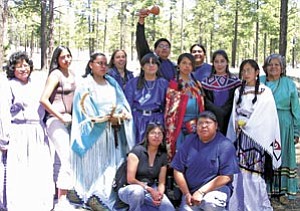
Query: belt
25	121
189	126
149	112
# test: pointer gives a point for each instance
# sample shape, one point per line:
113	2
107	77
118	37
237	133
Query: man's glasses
205	123
163	46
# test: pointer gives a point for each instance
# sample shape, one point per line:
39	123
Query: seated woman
146	173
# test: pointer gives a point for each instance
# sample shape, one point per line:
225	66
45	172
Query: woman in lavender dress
146	95
29	167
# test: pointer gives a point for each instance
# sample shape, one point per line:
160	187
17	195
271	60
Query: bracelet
187	194
201	192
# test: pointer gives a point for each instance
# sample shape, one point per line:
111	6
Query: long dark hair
224	54
253	64
199	45
88	70
112	58
151	126
54	60
146	59
14	59
180	58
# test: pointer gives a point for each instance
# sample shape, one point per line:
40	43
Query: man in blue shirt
204	167
162	48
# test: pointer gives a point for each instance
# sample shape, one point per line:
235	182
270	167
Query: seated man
204	167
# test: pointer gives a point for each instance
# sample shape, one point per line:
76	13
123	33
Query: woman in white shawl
101	133
254	127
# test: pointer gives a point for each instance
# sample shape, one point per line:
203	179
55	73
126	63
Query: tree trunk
1	33
132	35
51	31
3	30
265	45
257	33
234	43
181	26
122	24
105	30
43	33
283	27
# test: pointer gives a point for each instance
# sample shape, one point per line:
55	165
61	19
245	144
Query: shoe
95	204
74	198
63	204
284	200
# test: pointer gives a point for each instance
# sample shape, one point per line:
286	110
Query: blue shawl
85	133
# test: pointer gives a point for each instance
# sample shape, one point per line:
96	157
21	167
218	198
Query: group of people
228	141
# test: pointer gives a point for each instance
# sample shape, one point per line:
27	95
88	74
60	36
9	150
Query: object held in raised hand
150	10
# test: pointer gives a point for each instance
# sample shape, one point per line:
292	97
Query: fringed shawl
84	134
263	125
176	102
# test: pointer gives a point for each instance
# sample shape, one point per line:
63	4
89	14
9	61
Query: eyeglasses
163	46
153	133
101	63
205	123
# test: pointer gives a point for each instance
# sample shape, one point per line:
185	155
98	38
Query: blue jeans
139	199
212	201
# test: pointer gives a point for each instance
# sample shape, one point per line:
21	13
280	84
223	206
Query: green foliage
110	24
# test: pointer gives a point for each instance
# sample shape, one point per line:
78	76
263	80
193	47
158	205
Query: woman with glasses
117	68
29	165
219	89
57	99
146	173
146	95
101	135
184	103
202	70
284	185
254	128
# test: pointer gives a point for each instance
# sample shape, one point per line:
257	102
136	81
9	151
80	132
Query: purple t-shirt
167	69
202	72
201	162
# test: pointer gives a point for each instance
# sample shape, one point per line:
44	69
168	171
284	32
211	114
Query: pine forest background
244	28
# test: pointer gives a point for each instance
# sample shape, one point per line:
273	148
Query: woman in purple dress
146	95
219	89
